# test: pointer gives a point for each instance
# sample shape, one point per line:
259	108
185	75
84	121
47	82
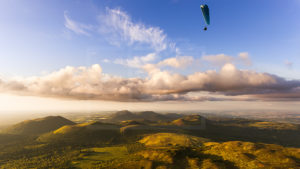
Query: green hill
274	125
172	139
139	116
171	150
162	144
38	126
189	120
122	116
130	122
254	155
152	116
83	133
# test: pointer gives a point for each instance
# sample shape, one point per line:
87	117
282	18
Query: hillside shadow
288	138
182	155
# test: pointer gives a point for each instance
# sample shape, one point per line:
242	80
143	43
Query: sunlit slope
38	126
171	150
106	157
83	133
102	145
189	120
192	122
254	155
131	122
274	125
135	130
172	139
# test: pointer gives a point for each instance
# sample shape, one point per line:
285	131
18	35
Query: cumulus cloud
76	27
244	58
76	83
177	62
137	61
120	23
218	60
228	79
92	83
144	62
221	59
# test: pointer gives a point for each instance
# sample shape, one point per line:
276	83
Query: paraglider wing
205	12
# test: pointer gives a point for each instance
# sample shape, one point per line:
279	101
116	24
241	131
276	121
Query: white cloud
177	62
88	83
78	28
118	22
218	60
244	58
221	59
137	61
106	60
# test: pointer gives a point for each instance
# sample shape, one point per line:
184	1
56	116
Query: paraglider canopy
205	12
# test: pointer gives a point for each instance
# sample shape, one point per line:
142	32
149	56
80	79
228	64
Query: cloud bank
90	83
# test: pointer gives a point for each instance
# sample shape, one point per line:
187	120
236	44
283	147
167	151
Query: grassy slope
232	154
38	126
172	139
87	133
254	155
161	150
169	150
102	157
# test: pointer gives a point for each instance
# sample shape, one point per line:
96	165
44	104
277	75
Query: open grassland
101	157
180	143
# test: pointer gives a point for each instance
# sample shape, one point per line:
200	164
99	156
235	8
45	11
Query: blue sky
33	32
153	41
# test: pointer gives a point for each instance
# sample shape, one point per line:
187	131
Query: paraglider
205	12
